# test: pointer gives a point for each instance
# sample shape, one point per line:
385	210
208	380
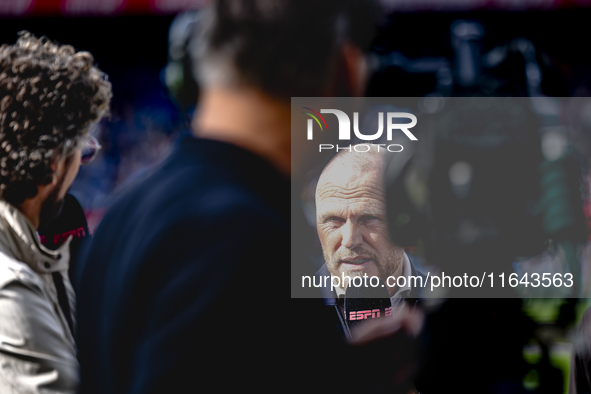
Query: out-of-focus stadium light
22	8
85	7
15	7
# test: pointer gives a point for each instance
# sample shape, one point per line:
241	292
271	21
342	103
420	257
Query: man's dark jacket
179	290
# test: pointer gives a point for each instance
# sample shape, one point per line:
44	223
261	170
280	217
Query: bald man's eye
334	221
369	219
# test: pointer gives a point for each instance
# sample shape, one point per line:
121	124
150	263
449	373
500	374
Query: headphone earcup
405	222
178	76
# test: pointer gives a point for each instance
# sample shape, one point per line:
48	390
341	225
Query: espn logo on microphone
368	314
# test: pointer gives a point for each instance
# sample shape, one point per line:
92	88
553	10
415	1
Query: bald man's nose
351	234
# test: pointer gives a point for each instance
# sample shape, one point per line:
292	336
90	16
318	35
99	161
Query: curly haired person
50	95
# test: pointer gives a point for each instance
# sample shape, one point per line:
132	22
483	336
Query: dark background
131	47
132	50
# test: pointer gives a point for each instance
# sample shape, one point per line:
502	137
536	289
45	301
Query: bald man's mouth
355	262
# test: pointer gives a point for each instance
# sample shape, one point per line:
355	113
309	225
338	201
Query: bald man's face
351	223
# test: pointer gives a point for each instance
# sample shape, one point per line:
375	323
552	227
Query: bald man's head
354	163
351	217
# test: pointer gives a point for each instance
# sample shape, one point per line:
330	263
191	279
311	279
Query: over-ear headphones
178	74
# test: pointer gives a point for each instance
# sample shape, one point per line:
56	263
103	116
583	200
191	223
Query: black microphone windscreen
366	302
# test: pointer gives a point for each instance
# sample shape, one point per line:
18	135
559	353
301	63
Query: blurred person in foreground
352	227
183	285
49	97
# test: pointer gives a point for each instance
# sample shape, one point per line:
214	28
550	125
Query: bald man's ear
352	72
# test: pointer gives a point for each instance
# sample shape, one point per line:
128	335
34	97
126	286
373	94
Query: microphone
388	361
366	302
